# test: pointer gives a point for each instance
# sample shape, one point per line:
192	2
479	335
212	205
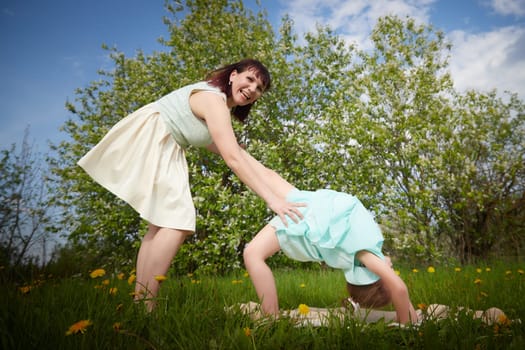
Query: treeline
444	171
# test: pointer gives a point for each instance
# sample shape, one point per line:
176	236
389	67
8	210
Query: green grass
191	315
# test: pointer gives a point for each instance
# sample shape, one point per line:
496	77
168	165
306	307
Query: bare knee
250	255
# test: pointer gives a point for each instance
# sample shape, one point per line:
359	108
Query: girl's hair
221	79
370	296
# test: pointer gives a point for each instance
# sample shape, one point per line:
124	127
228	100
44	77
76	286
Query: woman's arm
279	186
212	108
395	285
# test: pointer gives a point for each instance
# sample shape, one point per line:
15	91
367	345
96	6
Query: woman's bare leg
263	245
159	247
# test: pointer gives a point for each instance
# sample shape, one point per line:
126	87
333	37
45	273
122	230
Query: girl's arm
398	290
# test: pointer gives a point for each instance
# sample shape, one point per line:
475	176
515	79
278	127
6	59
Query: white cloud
355	19
489	60
482	61
509	7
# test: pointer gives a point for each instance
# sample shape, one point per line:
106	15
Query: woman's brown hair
373	295
221	79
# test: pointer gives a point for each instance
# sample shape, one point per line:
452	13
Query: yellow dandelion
503	319
422	306
483	294
120	276
79	327
521	272
247	331
508	272
105	282
302	285
477	281
397	272
415	270
117	326
190	275
119	307
195	281
431	269
304	309
457	269
113	290
131	279
246	275
236	281
97	273
478	270
161	278
487	269
25	289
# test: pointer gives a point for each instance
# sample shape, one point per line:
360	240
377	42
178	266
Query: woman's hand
291	209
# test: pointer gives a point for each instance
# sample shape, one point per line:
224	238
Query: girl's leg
156	252
263	245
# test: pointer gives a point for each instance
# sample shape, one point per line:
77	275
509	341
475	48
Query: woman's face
246	87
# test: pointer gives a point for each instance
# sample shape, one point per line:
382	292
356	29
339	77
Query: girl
142	160
338	230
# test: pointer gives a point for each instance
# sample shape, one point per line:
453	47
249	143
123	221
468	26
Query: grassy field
97	312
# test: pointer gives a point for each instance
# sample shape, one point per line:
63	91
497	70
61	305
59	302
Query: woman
338	230
142	160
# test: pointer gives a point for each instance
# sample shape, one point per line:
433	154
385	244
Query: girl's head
221	79
373	295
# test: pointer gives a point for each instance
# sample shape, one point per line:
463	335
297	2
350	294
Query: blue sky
51	47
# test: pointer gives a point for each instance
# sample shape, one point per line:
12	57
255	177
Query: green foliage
443	171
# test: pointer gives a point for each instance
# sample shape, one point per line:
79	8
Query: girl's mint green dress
335	227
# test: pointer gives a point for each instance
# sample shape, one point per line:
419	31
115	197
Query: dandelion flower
105	282
457	269
236	281
25	289
247	331
302	285
246	275
117	326
120	276
477	281
113	290
478	270
422	306
521	272
487	269
503	319
97	273
431	269
508	272
304	309
131	279
160	278
415	270
397	272
79	327
483	294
